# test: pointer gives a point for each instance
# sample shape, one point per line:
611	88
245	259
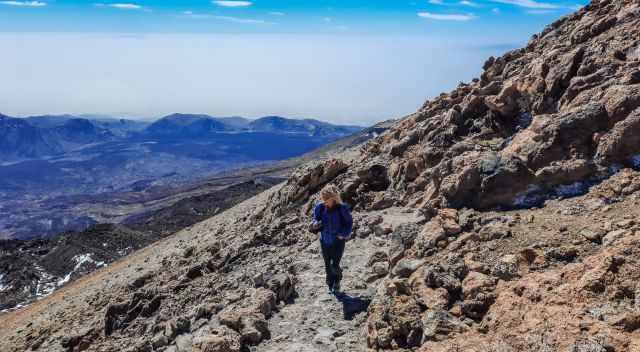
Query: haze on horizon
351	62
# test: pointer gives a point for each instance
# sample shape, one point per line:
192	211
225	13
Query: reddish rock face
559	111
541	121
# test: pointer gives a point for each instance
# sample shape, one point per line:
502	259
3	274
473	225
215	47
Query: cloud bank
340	78
446	17
531	4
233	3
121	6
24	3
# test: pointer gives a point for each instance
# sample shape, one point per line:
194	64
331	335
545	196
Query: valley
66	173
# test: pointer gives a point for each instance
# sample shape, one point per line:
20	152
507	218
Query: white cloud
240	20
191	14
204	16
233	3
446	17
436	2
24	3
126	6
277	13
540	12
532	4
468	3
495	10
122	6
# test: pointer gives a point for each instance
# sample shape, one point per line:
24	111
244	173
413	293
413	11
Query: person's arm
316	213
315	226
348	222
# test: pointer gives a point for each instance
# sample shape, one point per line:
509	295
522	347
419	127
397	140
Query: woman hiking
333	220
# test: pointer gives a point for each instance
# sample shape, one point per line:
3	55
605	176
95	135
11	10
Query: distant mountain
48	121
306	126
185	125
117	126
76	132
234	122
19	139
69	131
190	125
47	135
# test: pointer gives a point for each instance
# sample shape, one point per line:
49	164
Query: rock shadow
352	305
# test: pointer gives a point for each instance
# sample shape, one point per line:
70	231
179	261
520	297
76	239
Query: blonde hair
331	192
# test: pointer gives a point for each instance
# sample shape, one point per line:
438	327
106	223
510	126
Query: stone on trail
613	236
593	235
405	267
438	324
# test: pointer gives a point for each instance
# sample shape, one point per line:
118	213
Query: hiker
332	219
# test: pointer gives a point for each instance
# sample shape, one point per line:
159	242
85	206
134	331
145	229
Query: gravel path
316	320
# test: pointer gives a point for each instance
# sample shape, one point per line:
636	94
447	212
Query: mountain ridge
63	133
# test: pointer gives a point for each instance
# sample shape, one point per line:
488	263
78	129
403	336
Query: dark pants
332	254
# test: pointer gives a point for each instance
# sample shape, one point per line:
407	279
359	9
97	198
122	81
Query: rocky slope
466	239
32	269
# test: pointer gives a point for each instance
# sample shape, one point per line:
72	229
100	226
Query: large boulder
622	142
394	323
402	238
264	300
304	182
252	326
373	178
221	339
405	267
283	285
438	324
559	136
477	291
432	233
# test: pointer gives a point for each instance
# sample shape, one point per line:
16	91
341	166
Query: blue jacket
335	222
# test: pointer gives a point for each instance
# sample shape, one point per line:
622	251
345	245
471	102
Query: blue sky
344	61
278	16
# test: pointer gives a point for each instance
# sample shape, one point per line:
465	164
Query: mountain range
49	135
49	162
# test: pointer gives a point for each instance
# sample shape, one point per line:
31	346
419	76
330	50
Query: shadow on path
352	305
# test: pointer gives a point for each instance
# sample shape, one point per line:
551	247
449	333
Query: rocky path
318	321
